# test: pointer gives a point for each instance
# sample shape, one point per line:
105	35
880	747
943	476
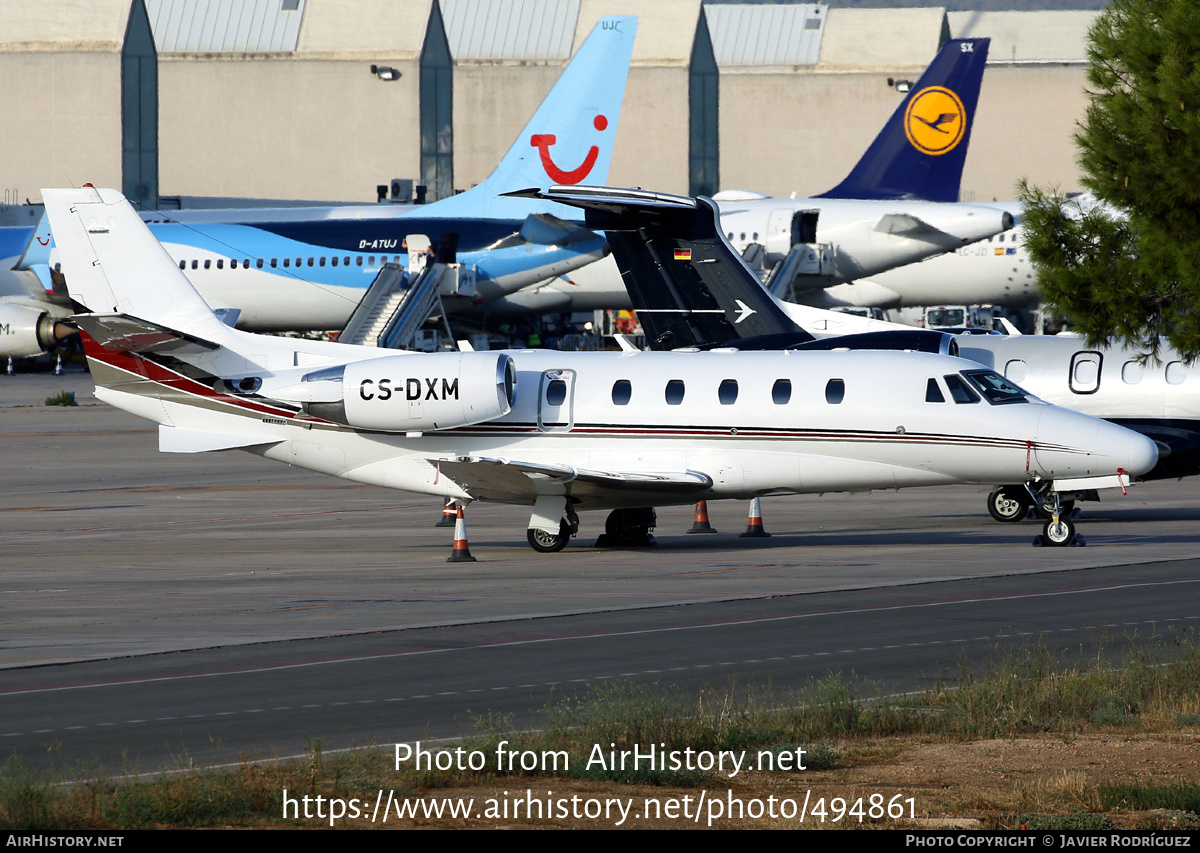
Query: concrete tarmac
109	548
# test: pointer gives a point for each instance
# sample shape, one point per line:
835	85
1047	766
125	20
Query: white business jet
563	432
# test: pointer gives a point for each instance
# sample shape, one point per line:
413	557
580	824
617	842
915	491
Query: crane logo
543	141
935	121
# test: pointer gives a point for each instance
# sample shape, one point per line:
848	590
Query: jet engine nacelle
25	332
416	393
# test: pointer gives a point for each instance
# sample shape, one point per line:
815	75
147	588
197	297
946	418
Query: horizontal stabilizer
484	478
546	229
129	334
177	440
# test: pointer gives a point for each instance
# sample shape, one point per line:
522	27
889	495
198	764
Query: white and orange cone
754	524
449	514
461	553
700	523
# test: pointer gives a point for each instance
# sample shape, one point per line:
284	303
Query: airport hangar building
325	99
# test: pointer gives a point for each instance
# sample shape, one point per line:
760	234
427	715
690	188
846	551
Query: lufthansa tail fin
114	265
687	284
570	138
920	152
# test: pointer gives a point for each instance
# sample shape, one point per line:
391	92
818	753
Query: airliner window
621	392
195	264
371	261
259	263
728	392
781	392
287	262
674	392
207	264
274	262
556	392
183	265
358	260
321	261
933	392
995	387
220	263
835	391
311	261
334	260
346	261
233	263
959	390
246	263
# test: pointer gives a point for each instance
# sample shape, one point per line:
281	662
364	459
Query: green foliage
1129	268
1183	796
62	398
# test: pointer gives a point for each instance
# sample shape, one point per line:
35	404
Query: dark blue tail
921	150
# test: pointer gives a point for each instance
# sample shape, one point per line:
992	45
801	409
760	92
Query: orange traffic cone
700	523
449	515
461	553
754	525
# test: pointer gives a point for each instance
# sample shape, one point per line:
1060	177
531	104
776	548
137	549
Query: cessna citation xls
563	432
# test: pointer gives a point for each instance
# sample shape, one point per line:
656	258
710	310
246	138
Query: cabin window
233	263
1176	373
298	260
346	261
959	390
371	260
183	265
1016	370
334	260
556	392
781	392
622	390
207	264
728	392
358	260
933	392
259	263
835	391
195	264
321	261
1132	372
287	262
312	261
674	393
274	262
220	263
246	263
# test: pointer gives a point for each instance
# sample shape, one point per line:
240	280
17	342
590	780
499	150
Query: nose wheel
1058	533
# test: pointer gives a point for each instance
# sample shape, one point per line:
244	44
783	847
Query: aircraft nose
1070	444
1141	453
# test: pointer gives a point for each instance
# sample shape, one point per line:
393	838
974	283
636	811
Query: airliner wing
508	479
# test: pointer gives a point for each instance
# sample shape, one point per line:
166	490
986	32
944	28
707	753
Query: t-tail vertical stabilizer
100	239
570	138
920	152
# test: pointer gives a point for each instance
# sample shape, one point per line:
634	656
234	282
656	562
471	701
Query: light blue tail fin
570	138
920	152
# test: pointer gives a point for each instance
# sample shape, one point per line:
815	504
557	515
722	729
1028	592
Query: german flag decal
683	254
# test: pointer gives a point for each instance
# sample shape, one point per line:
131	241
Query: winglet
570	138
920	152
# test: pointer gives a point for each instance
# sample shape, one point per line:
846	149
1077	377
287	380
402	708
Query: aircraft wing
915	228
129	334
507	479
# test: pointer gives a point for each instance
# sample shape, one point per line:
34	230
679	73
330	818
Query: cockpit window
995	387
933	392
959	390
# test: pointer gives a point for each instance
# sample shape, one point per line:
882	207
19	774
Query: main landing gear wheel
1009	504
545	542
1058	534
629	527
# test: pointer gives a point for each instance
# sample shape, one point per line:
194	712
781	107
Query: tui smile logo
543	141
935	120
